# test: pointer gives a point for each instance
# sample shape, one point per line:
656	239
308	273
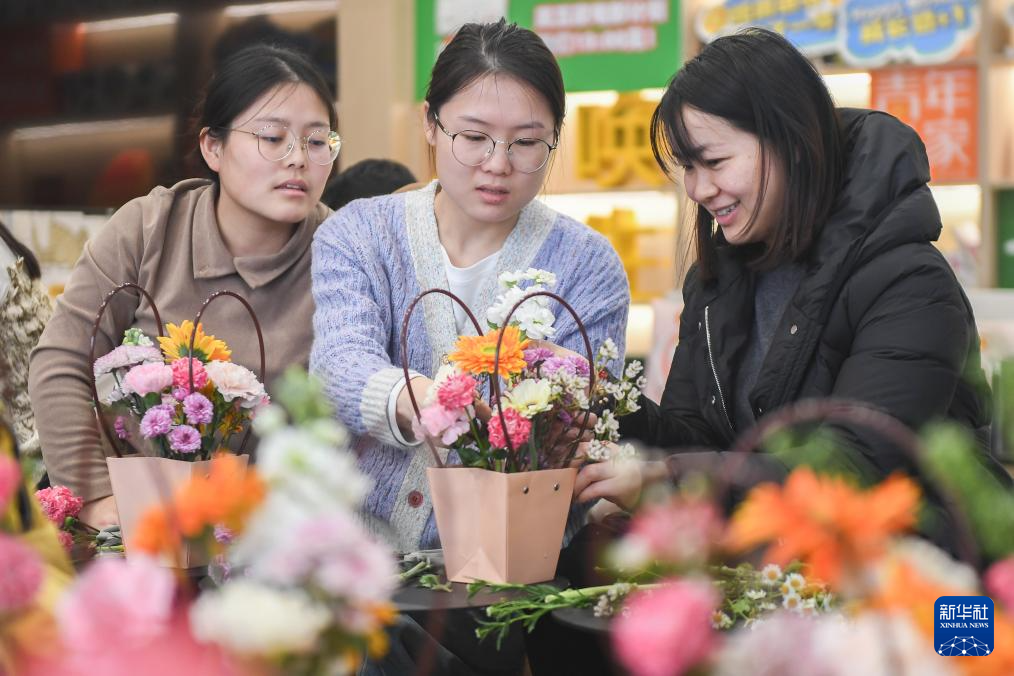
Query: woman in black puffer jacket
820	281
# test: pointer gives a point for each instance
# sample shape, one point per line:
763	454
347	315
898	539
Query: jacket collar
212	258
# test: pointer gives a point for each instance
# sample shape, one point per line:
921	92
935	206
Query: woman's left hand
619	481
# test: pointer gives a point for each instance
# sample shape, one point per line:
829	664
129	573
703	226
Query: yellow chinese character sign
613	143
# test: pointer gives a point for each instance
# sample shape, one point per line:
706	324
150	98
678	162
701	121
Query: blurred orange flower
474	354
824	521
225	497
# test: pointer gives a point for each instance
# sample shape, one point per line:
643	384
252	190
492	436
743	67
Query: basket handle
855	413
257	327
404	354
103	428
495	378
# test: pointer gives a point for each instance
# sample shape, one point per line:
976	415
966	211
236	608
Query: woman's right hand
100	513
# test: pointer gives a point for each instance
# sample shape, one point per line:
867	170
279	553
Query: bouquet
187	405
545	391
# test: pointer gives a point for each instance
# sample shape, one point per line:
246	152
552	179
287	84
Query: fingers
482	410
587	476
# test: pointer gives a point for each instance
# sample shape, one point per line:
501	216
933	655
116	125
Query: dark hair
246	76
367	178
21	251
504	48
741	78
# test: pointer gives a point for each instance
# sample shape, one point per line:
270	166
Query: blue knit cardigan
370	259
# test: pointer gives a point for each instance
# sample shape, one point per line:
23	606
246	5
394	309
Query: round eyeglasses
276	142
472	148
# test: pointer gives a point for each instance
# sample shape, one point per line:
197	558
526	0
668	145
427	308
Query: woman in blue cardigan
492	117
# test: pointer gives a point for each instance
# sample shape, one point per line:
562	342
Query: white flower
270	419
792	601
608	427
630	553
624	452
598	451
319	475
530	397
796	582
755	594
771	574
935	565
633	369
235	381
608	352
250	618
719	620
533	316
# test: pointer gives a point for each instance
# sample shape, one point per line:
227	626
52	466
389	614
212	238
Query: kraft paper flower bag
181	402
501	516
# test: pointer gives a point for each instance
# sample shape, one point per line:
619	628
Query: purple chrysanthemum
184	439
156	421
534	355
198	409
120	428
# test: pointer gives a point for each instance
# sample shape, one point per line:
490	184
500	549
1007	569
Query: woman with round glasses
267	142
492	117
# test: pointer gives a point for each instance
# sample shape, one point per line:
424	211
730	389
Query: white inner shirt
465	283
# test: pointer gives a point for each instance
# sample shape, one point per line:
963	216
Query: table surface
582	618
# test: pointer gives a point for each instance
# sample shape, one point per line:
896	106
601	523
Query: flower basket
501	526
514	536
141	481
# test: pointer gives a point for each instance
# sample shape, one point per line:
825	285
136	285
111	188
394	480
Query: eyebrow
534	124
284	122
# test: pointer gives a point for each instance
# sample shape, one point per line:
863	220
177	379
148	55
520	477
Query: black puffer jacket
878	318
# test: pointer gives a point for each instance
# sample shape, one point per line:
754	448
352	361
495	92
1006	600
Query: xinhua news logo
963	626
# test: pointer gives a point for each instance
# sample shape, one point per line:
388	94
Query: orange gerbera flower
474	354
824	521
225	497
206	348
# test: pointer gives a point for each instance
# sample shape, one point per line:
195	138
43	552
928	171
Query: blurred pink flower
518	427
66	539
10	480
999	582
680	531
21	574
59	502
148	378
667	630
181	374
457	391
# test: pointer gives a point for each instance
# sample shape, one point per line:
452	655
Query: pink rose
457	391
59	502
667	630
999	582
10	479
21	577
518	427
148	378
181	374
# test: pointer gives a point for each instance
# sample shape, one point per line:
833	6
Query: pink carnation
999	582
181	374
518	427
667	630
66	539
58	503
10	479
441	423
148	378
457	391
198	409
120	427
22	574
156	421
184	439
124	356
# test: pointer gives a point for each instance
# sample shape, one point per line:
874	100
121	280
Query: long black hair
503	48
759	83
21	251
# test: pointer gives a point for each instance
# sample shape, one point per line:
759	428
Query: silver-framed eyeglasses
275	142
472	148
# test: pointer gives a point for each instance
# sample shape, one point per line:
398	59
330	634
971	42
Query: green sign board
601	44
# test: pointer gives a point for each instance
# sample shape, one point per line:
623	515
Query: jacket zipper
714	371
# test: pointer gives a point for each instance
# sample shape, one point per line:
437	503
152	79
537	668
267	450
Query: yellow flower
474	354
206	348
